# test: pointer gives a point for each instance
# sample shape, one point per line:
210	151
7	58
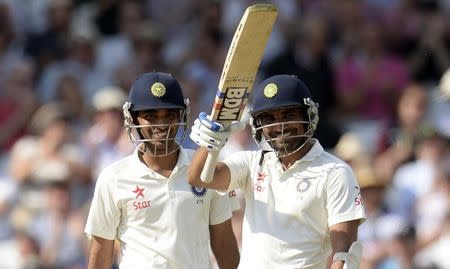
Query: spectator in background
58	228
8	195
17	103
414	180
106	139
436	254
127	15
145	54
21	253
51	45
9	53
70	93
351	150
47	153
369	81
80	62
307	57
205	63
440	105
395	145
373	233
430	56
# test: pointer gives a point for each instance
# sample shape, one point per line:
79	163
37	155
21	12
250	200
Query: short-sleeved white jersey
161	222
288	213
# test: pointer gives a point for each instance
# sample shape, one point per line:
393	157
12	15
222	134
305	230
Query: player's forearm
221	178
196	167
99	262
101	253
224	245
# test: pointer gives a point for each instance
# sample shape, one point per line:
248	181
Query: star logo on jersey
261	176
139	192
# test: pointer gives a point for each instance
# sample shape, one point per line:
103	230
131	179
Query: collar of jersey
314	152
140	170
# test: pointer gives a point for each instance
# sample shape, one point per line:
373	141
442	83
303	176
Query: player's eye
291	116
149	116
172	116
267	120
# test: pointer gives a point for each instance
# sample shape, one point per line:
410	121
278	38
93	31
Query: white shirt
161	223
288	213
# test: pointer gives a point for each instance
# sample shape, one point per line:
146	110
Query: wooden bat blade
242	62
239	71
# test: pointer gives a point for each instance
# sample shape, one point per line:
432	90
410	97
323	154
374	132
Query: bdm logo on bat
231	104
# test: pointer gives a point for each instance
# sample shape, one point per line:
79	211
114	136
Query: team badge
198	192
158	89
303	185
270	90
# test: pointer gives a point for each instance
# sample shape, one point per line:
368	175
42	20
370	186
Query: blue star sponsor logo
198	192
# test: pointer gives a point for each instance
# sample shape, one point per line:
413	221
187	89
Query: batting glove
210	134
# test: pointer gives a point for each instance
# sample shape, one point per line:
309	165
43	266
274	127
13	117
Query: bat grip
207	174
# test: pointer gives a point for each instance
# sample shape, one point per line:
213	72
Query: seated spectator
351	150
58	228
370	80
38	158
22	252
106	139
440	105
17	103
415	180
381	228
395	145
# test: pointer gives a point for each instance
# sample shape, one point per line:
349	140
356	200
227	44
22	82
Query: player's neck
289	160
162	165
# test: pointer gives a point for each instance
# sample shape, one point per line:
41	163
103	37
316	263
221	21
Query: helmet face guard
295	141
175	133
282	92
150	92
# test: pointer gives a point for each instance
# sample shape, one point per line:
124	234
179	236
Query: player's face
283	128
160	129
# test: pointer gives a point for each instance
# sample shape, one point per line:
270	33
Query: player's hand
210	134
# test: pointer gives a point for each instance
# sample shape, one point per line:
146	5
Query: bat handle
210	166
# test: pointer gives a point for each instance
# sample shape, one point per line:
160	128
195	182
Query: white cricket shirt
161	222
288	213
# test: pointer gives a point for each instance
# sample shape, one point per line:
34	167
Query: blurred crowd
376	67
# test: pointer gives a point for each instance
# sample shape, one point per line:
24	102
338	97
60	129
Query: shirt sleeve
239	165
343	195
104	213
221	208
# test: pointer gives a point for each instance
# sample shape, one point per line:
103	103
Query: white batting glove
210	134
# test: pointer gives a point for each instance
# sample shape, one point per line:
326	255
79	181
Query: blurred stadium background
377	68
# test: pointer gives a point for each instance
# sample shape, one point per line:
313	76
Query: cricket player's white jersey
288	213
161	222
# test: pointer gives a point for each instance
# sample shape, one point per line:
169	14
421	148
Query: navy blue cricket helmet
282	91
152	91
156	90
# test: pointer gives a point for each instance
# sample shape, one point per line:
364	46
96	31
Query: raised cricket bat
239	71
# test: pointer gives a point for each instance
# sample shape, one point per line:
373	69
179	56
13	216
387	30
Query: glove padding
210	134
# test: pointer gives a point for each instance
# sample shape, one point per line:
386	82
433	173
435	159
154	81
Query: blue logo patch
198	192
